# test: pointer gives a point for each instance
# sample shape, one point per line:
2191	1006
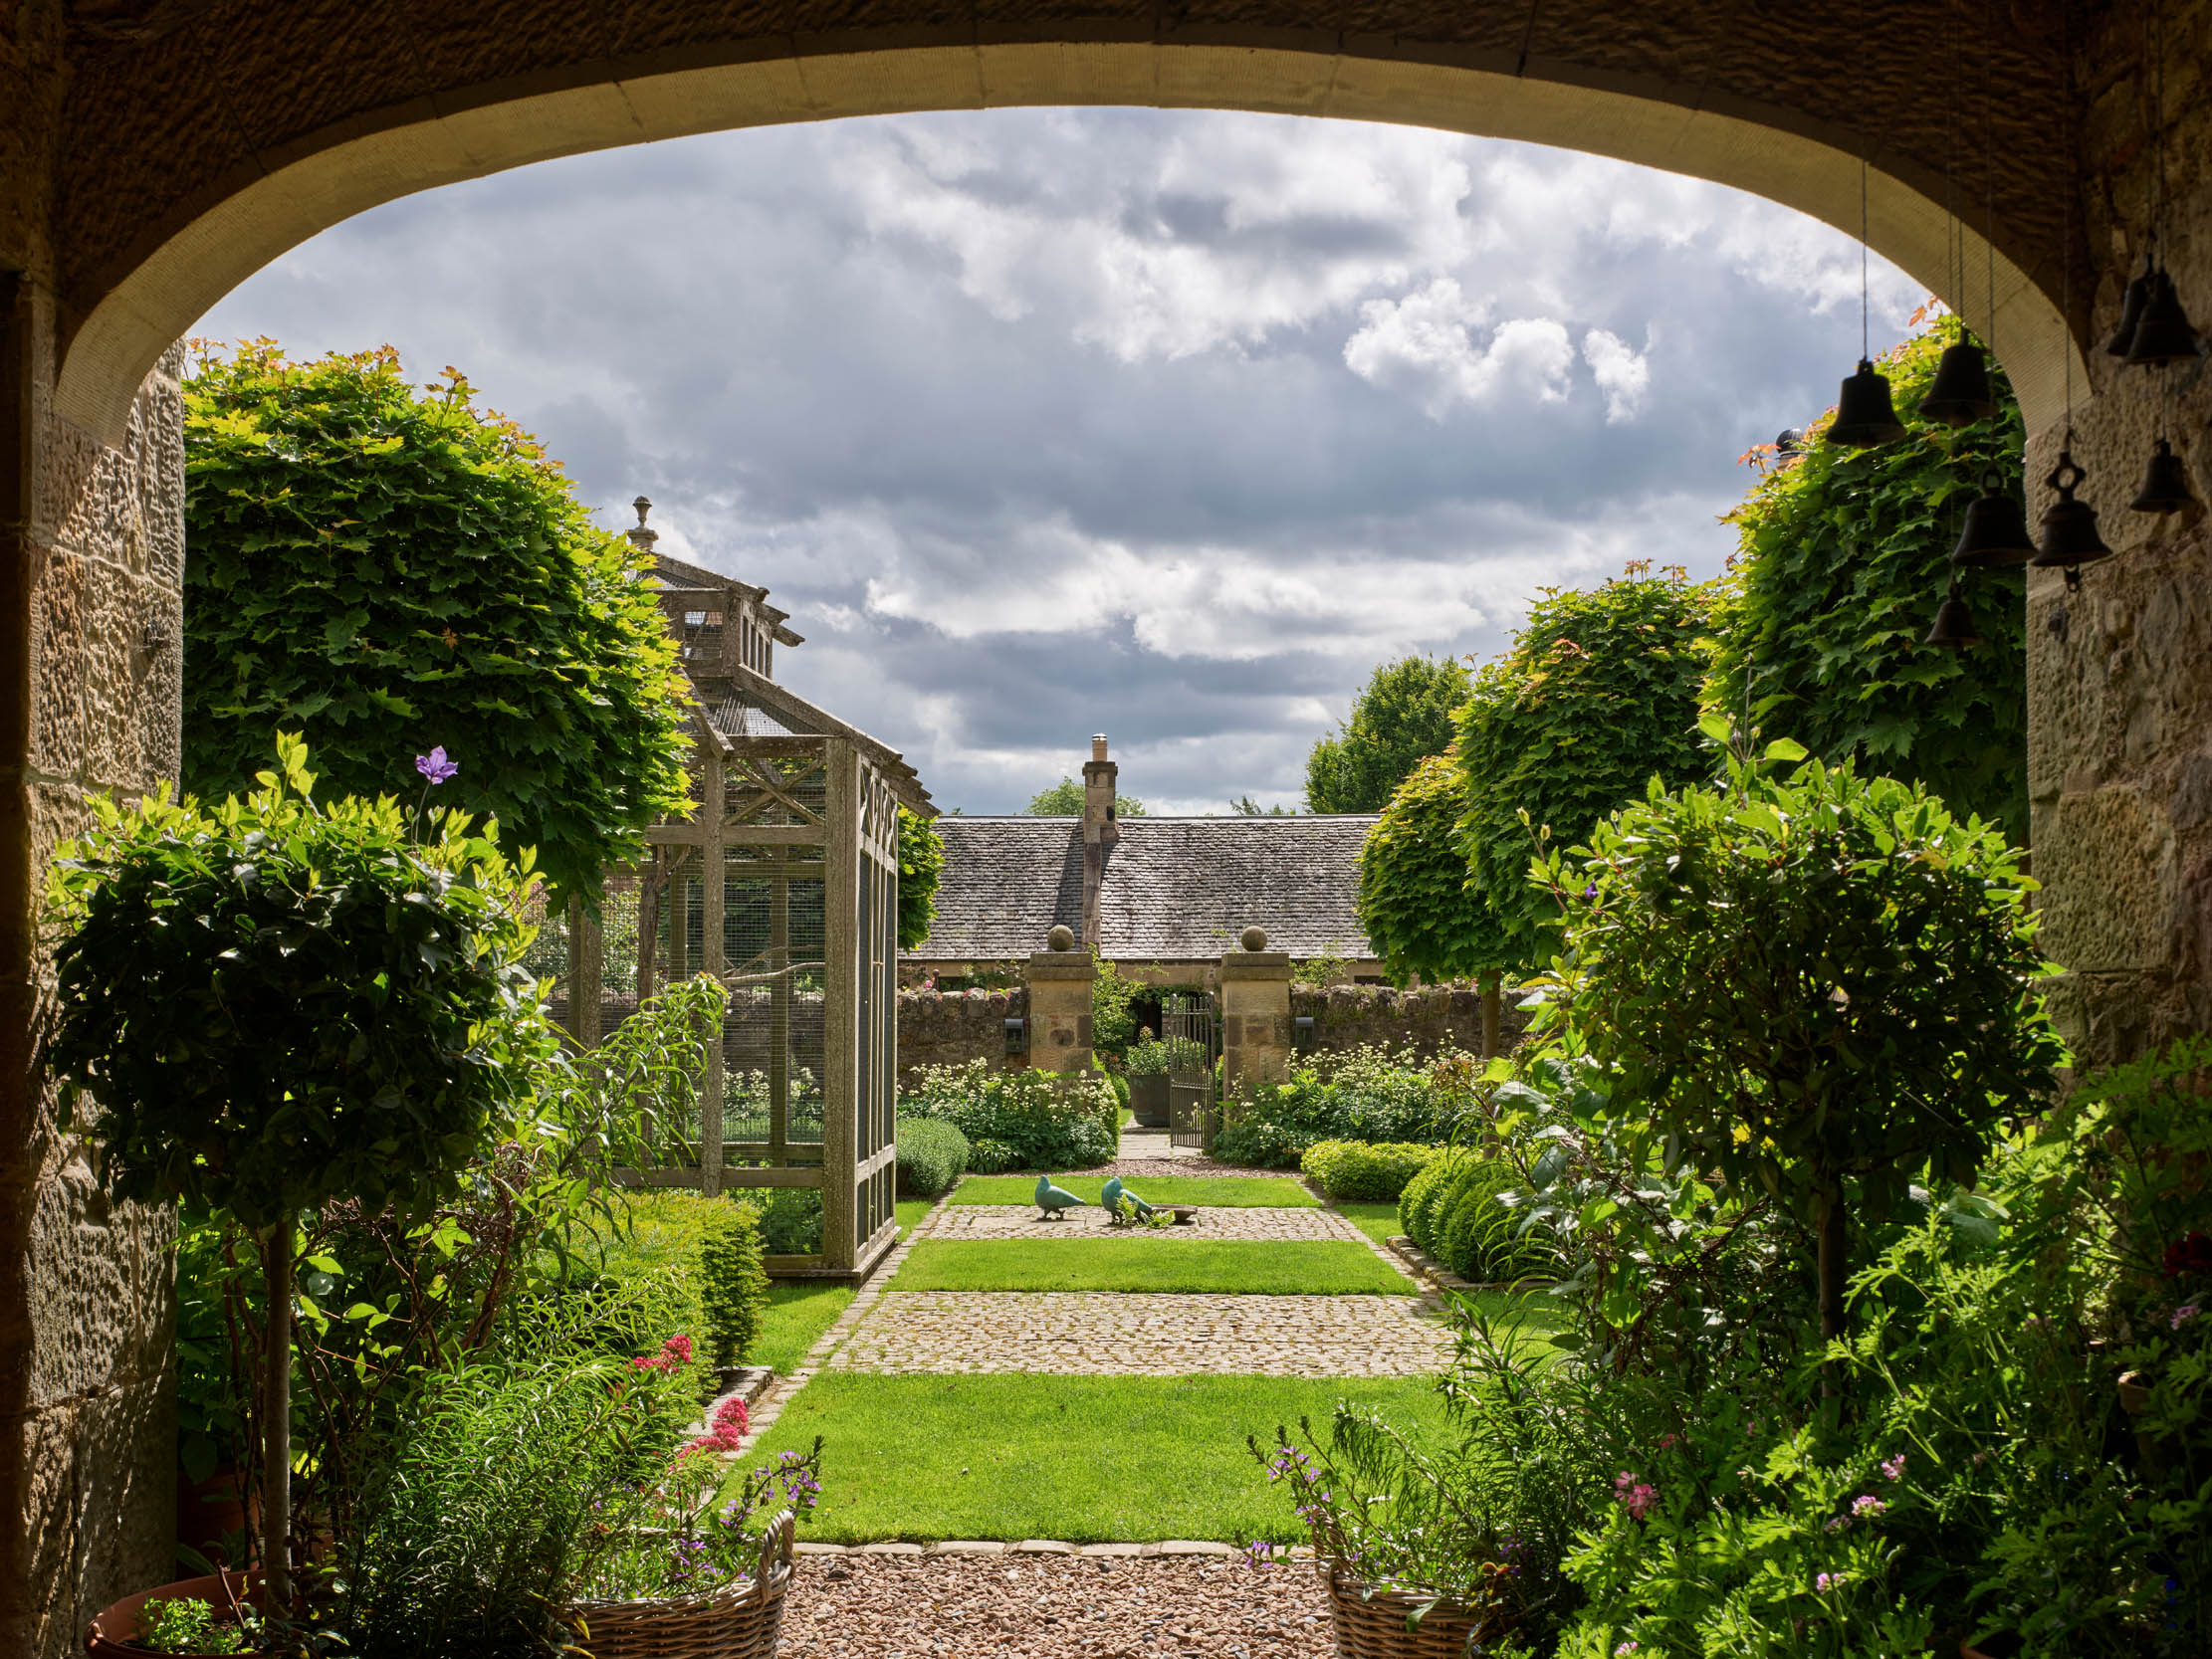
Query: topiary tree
1822	984
1423	912
921	868
1841	556
1598	694
276	1004
1401	715
384	571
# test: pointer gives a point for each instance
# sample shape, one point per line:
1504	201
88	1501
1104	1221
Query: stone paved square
982	1221
1103	1334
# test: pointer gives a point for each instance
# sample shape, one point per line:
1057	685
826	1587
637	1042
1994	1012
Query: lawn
800	1310
1230	1267
1225	1192
1378	1221
1086	1459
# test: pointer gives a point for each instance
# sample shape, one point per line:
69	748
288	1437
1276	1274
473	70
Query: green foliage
1451	1209
387	573
1423	1192
1363	1094
921	868
932	1155
791	1220
1151	1056
278	1003
1196	1266
1422	911
1043	1121
1113	1025
1598	694
1245	807
733	1283
1403	713
1363	1173
1808	980
187	1624
1065	800
1843	556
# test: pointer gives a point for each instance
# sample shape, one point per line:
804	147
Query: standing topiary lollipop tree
1819	984
274	1004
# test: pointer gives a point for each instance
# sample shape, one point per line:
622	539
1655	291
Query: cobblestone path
980	1221
1108	1333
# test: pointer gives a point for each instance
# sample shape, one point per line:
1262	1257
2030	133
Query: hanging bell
2069	538
1996	531
1961	394
2131	303
1863	416
1954	624
2166	484
2165	334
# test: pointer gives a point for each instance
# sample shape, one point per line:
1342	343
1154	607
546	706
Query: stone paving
982	1221
1113	1334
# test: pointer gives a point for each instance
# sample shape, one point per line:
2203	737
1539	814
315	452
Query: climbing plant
1598	696
1421	908
921	868
1841	556
387	568
1401	715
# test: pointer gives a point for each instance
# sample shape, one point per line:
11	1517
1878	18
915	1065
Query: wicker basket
1373	1627
742	1622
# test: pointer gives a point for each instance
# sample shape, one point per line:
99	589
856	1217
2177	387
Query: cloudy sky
1169	425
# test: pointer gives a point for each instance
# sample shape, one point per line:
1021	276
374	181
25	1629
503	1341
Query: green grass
1223	1192
800	1311
1230	1267
910	1212
1087	1459
1378	1221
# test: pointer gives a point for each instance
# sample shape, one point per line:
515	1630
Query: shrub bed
1363	1171
931	1157
1376	1094
1033	1120
1450	1209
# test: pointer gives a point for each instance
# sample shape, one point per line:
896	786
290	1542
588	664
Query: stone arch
189	254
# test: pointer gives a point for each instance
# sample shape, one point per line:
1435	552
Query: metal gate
1192	1031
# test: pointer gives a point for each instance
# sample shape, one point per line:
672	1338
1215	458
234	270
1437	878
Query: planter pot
211	1509
1373	1627
744	1622
2003	1645
1148	1099
114	1634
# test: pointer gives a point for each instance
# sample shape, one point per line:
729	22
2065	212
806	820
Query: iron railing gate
1188	1025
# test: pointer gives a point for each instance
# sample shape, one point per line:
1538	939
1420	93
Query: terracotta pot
211	1509
2134	1394
114	1634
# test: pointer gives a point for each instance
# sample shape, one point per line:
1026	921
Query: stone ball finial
1061	938
1255	938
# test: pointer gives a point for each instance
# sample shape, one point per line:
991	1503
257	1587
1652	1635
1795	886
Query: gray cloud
1044	422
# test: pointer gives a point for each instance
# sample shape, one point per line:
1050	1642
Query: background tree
1417	901
1598	694
1402	715
387	573
1065	800
920	867
1841	556
1820	984
1245	807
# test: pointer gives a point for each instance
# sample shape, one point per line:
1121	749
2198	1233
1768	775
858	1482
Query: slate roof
1179	888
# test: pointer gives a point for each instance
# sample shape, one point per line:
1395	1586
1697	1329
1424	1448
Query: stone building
1159	897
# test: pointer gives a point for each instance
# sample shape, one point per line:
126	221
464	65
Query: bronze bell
2069	538
2166	484
2165	334
1961	394
1996	531
1954	624
2131	304
1863	416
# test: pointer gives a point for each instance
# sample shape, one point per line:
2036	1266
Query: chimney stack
1100	831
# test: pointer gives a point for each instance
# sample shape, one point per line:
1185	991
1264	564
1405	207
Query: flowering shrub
1047	1120
1370	1094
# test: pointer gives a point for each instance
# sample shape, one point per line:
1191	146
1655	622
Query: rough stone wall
951	1028
2120	699
1429	1019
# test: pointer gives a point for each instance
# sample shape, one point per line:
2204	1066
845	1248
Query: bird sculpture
1114	1192
1051	1200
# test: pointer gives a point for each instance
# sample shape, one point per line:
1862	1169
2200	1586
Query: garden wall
1429	1019
951	1028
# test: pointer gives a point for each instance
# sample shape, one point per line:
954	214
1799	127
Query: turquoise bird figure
1114	1192
1052	1199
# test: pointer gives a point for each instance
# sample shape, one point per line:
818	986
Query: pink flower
1667	1442
1893	1468
643	1364
1869	1505
678	1349
1636	1497
1831	1581
2183	1315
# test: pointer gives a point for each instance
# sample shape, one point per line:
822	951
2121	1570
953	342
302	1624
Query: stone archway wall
152	152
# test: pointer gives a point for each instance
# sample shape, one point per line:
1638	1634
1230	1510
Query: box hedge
1362	1171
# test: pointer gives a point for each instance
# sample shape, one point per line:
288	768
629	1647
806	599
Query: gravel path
979	1222
1051	1608
1129	1168
1150	1333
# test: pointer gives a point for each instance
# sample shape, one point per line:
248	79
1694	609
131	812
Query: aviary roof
1179	888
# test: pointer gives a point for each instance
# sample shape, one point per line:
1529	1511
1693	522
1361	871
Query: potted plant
1147	1067
274	1006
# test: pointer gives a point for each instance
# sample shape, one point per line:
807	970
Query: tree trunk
1490	1001
1834	1253
276	1416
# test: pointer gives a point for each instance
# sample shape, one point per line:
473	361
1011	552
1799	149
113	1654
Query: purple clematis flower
435	766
